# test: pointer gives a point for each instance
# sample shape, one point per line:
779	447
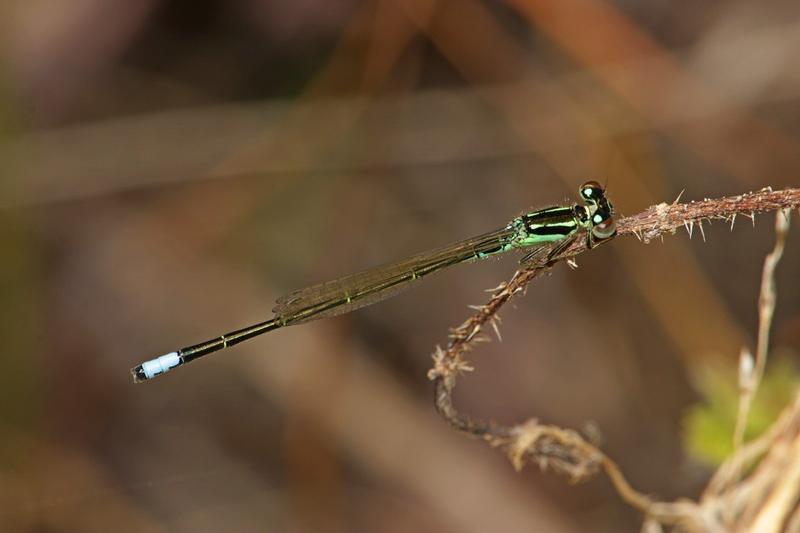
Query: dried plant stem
781	499
787	423
750	375
565	451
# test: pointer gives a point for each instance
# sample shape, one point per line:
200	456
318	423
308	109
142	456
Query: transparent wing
371	286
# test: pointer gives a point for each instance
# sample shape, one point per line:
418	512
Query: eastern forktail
542	233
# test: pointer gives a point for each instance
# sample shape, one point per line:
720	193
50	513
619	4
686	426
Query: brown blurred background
169	168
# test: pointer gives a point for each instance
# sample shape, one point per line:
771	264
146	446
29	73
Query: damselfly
543	234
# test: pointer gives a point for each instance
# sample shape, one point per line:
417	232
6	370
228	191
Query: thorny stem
564	450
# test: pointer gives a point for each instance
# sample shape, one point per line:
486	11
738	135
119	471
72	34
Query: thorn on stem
495	320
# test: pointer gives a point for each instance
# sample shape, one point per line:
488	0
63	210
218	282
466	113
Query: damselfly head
599	209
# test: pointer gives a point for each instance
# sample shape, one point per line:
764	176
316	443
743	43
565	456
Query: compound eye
603	228
591	191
